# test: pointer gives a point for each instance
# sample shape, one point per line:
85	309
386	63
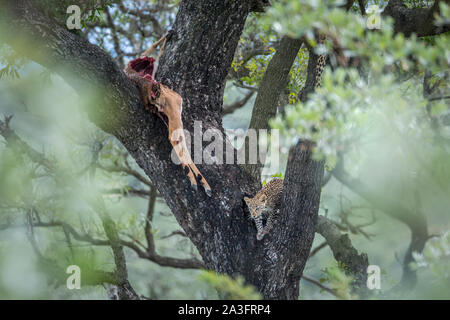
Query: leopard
265	205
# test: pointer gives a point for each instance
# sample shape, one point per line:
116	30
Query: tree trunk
195	64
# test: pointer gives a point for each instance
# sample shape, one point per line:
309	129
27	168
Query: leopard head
256	205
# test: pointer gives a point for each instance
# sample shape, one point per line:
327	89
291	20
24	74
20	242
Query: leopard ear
247	199
263	198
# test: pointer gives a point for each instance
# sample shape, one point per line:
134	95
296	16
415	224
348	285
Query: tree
196	64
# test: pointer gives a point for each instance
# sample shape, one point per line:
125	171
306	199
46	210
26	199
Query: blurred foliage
336	277
256	48
228	288
347	104
436	257
9	62
380	118
91	10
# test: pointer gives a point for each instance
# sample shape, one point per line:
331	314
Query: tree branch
124	289
129	171
13	139
56	273
238	104
355	264
275	80
310	83
320	285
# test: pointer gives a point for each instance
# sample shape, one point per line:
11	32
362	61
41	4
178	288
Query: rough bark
293	235
195	65
274	82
